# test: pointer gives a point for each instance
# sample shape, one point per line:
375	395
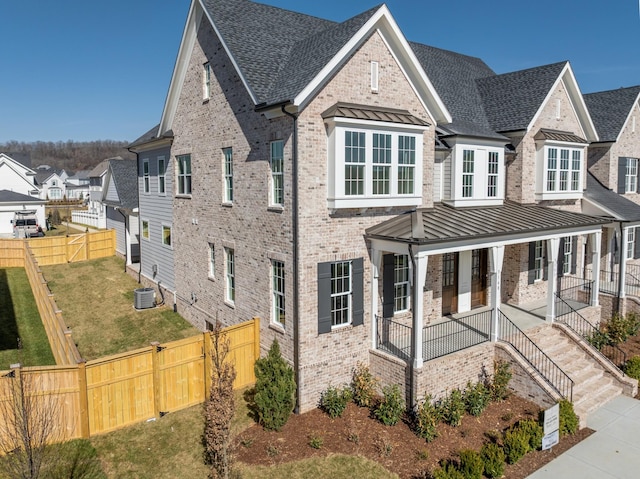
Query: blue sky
86	70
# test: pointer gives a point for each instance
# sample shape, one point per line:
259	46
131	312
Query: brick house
366	197
613	188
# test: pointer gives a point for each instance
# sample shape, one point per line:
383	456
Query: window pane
228	174
277	172
278	292
166	235
340	293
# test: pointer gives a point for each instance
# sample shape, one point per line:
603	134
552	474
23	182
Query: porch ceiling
446	224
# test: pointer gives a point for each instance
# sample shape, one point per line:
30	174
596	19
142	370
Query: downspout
294	229
622	252
137	185
413	347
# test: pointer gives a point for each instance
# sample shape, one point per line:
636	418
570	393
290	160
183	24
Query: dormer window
375	157
560	165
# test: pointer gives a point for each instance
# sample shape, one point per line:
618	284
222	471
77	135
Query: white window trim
407	283
162	174
181	178
274	175
539	270
230	276
631	176
146	177
211	263
142	222
630	245
162	229
375	77
542	169
276	295
348	294
206	81
567	255
227	177
336	142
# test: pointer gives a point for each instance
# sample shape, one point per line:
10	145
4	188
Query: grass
96	299
19	317
171	447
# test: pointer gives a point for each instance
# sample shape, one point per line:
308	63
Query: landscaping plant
334	400
516	444
452	408
426	419
219	407
390	409
476	398
569	421
274	390
471	465
632	367
447	471
493	459
364	385
500	382
533	430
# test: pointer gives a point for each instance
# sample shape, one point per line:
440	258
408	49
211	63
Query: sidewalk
612	452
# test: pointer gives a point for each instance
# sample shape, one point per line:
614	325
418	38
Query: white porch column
596	245
552	281
622	287
496	257
376	255
127	239
417	293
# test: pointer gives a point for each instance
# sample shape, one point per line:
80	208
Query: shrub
316	442
598	339
493	458
390	409
447	471
426	419
452	408
516	444
501	377
364	385
568	419
533	430
619	328
334	401
632	368
275	389
471	465
476	398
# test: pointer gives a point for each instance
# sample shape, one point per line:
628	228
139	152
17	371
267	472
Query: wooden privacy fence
120	390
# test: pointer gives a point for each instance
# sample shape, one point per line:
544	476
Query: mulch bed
396	448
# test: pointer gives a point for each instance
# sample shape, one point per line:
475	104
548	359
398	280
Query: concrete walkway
612	452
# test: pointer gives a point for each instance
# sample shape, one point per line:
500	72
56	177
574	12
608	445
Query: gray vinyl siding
112	193
446	191
437	180
116	221
157	209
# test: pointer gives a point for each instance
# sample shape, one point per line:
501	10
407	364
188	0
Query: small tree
219	407
275	389
28	425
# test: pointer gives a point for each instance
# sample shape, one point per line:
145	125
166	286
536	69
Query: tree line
70	155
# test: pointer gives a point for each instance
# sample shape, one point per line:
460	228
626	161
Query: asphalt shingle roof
610	109
7	196
621	207
512	99
124	177
442	223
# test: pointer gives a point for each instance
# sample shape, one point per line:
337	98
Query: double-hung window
277	278
406	164
539	260
206	80
492	174
381	163
567	254
340	293
166	235
145	229
631	243
401	283
227	154
230	273
184	174
162	170
212	260
560	172
276	161
145	175
631	176
354	163
468	158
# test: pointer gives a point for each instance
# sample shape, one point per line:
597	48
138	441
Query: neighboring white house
77	186
51	183
10	202
96	213
14	176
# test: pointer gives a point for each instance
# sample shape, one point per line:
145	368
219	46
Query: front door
478	278
449	283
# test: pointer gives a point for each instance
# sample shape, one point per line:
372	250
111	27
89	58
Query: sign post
551	427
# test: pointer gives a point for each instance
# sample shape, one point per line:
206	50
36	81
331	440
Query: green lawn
96	299
19	317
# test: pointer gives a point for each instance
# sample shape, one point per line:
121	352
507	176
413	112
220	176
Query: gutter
294	228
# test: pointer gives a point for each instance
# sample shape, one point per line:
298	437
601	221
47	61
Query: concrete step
591	402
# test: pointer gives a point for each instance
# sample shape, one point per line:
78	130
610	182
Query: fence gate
77	248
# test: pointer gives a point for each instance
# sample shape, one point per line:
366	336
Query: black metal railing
552	374
609	280
573	288
393	337
632	280
592	336
455	335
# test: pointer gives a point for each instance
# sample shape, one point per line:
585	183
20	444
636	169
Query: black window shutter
622	173
532	262
545	261
574	255
324	298
358	291
388	285
636	247
561	257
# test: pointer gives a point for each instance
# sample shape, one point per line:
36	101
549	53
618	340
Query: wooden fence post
256	338
155	364
206	354
84	399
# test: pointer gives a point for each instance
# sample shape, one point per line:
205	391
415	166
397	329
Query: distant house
120	196
77	186
52	183
10	202
18	191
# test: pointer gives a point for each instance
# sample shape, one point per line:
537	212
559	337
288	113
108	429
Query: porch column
376	255
496	256
552	284
622	276
417	293
595	239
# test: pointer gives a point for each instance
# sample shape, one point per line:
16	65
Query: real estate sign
551	427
